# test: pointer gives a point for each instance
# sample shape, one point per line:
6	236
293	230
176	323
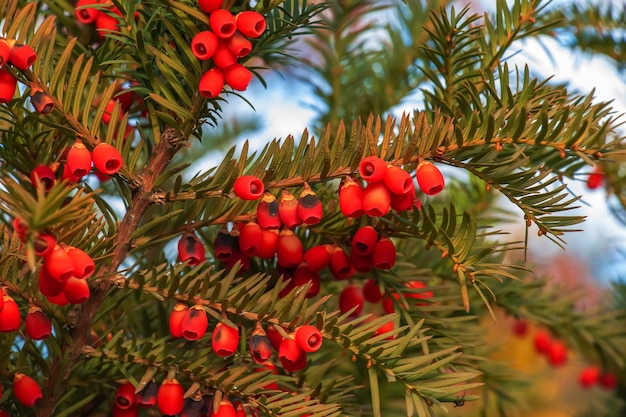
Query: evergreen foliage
515	135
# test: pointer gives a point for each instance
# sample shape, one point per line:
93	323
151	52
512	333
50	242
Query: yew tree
344	270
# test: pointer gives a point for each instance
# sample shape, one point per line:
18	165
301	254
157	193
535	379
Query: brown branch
161	157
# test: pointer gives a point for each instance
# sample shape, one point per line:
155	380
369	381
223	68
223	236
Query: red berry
251	24
20	228
351	297
194	323
22	56
204	44
82	263
250	239
305	275
595	179
520	327
413	285
388	304
397	180
351	198
76	290
10	319
59	264
309	207
224	57
608	381
291	356
267	212
317	257
248	187
222	23
225	340
8	84
125	396
542	341
340	265
176	319
170	397
107	159
26	390
429	178
372	169
190	249
5	51
403	202
384	255
209	6
49	286
106	23
289	252
364	240
288	209
361	263
557	353
309	338
376	199
78	160
59	299
109	110
44	245
125	412
226	409
211	83
371	291
239	45
86	16
269	244
386	328
38	325
237	76
588	377
44	175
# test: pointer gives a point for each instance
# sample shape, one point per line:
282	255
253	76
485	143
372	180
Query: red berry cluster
104	20
20	57
388	187
224	43
592	375
63	276
105	158
555	350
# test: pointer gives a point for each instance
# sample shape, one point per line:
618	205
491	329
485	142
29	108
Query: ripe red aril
226	409
542	340
78	162
204	44
170	397
309	207
289	252
429	178
239	45
125	396
291	356
76	290
250	23
376	199
371	291
317	257
86	16
608	381
372	169
557	353
190	249
588	377
269	243
595	179
22	56
340	265
237	76
251	239
38	325
288	209
10	318
44	244
225	340
107	159
59	264
82	263
43	175
248	187
351	297
8	84
209	6
351	198
222	23
305	275
176	319
309	338
211	83
26	390
364	240
384	255
267	212
49	286
397	180
194	323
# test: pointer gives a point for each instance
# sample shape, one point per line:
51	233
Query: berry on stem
376	199
250	23
125	396
239	45
288	209
45	176
317	257
76	290
397	180
364	241
107	159
225	340
78	160
194	323
289	252
209	6
384	255
170	397
372	169
10	318
204	44
429	178
309	338
267	212
176	319
351	198
84	14
222	23
351	297
190	249
588	377
22	56
211	83
309	206
248	187
38	325
82	264
26	390
8	84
